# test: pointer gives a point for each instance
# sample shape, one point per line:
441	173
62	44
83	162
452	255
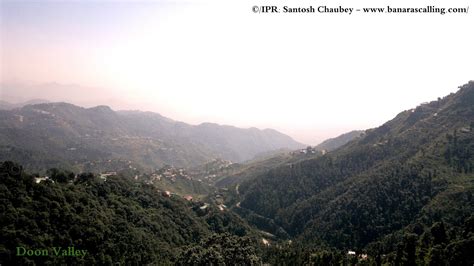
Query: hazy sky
311	76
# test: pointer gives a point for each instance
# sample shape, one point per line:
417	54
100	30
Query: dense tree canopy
116	220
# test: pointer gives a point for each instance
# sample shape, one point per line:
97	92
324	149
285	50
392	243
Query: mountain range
64	135
398	194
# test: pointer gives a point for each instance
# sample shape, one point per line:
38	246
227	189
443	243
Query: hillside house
107	174
265	242
41	179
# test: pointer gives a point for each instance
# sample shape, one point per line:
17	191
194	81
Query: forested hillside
47	135
223	173
399	194
397	183
116	220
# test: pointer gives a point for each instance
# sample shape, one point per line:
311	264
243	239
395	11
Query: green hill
115	220
404	177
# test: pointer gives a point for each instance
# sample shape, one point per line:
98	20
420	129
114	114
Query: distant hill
399	187
334	143
48	135
4	105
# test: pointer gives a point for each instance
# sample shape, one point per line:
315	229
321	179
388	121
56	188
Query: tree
438	231
60	176
220	249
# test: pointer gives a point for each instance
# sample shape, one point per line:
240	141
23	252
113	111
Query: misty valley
103	187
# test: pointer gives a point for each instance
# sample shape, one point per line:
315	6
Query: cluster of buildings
360	256
170	173
40	179
309	150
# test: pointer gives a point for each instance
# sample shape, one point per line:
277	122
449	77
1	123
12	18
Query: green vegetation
399	194
223	249
116	220
415	171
